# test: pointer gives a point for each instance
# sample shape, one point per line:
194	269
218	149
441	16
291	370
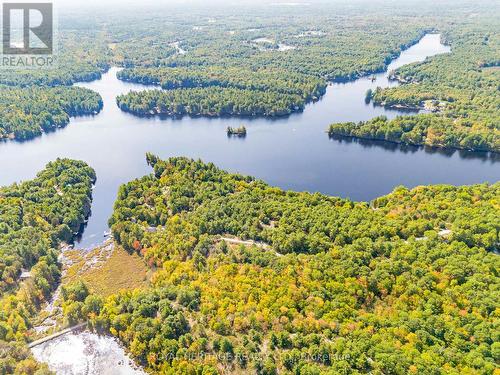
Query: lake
293	152
85	353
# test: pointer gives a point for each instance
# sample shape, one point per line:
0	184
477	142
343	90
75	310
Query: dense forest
210	101
215	91
27	112
35	217
240	276
345	46
406	283
460	88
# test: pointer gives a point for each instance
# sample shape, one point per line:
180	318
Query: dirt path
262	245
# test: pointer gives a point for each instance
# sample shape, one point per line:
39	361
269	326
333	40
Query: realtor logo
28	28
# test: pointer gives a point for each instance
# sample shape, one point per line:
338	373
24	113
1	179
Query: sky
85	5
125	5
112	3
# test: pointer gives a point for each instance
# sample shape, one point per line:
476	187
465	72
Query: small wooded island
237	132
219	91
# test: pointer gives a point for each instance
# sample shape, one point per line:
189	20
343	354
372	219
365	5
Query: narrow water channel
293	152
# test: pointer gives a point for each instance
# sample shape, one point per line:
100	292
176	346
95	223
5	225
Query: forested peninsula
28	112
210	101
216	91
403	284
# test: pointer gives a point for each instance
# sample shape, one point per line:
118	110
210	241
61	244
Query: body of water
293	152
85	353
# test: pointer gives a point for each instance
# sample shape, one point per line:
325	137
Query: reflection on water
404	148
85	353
293	152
